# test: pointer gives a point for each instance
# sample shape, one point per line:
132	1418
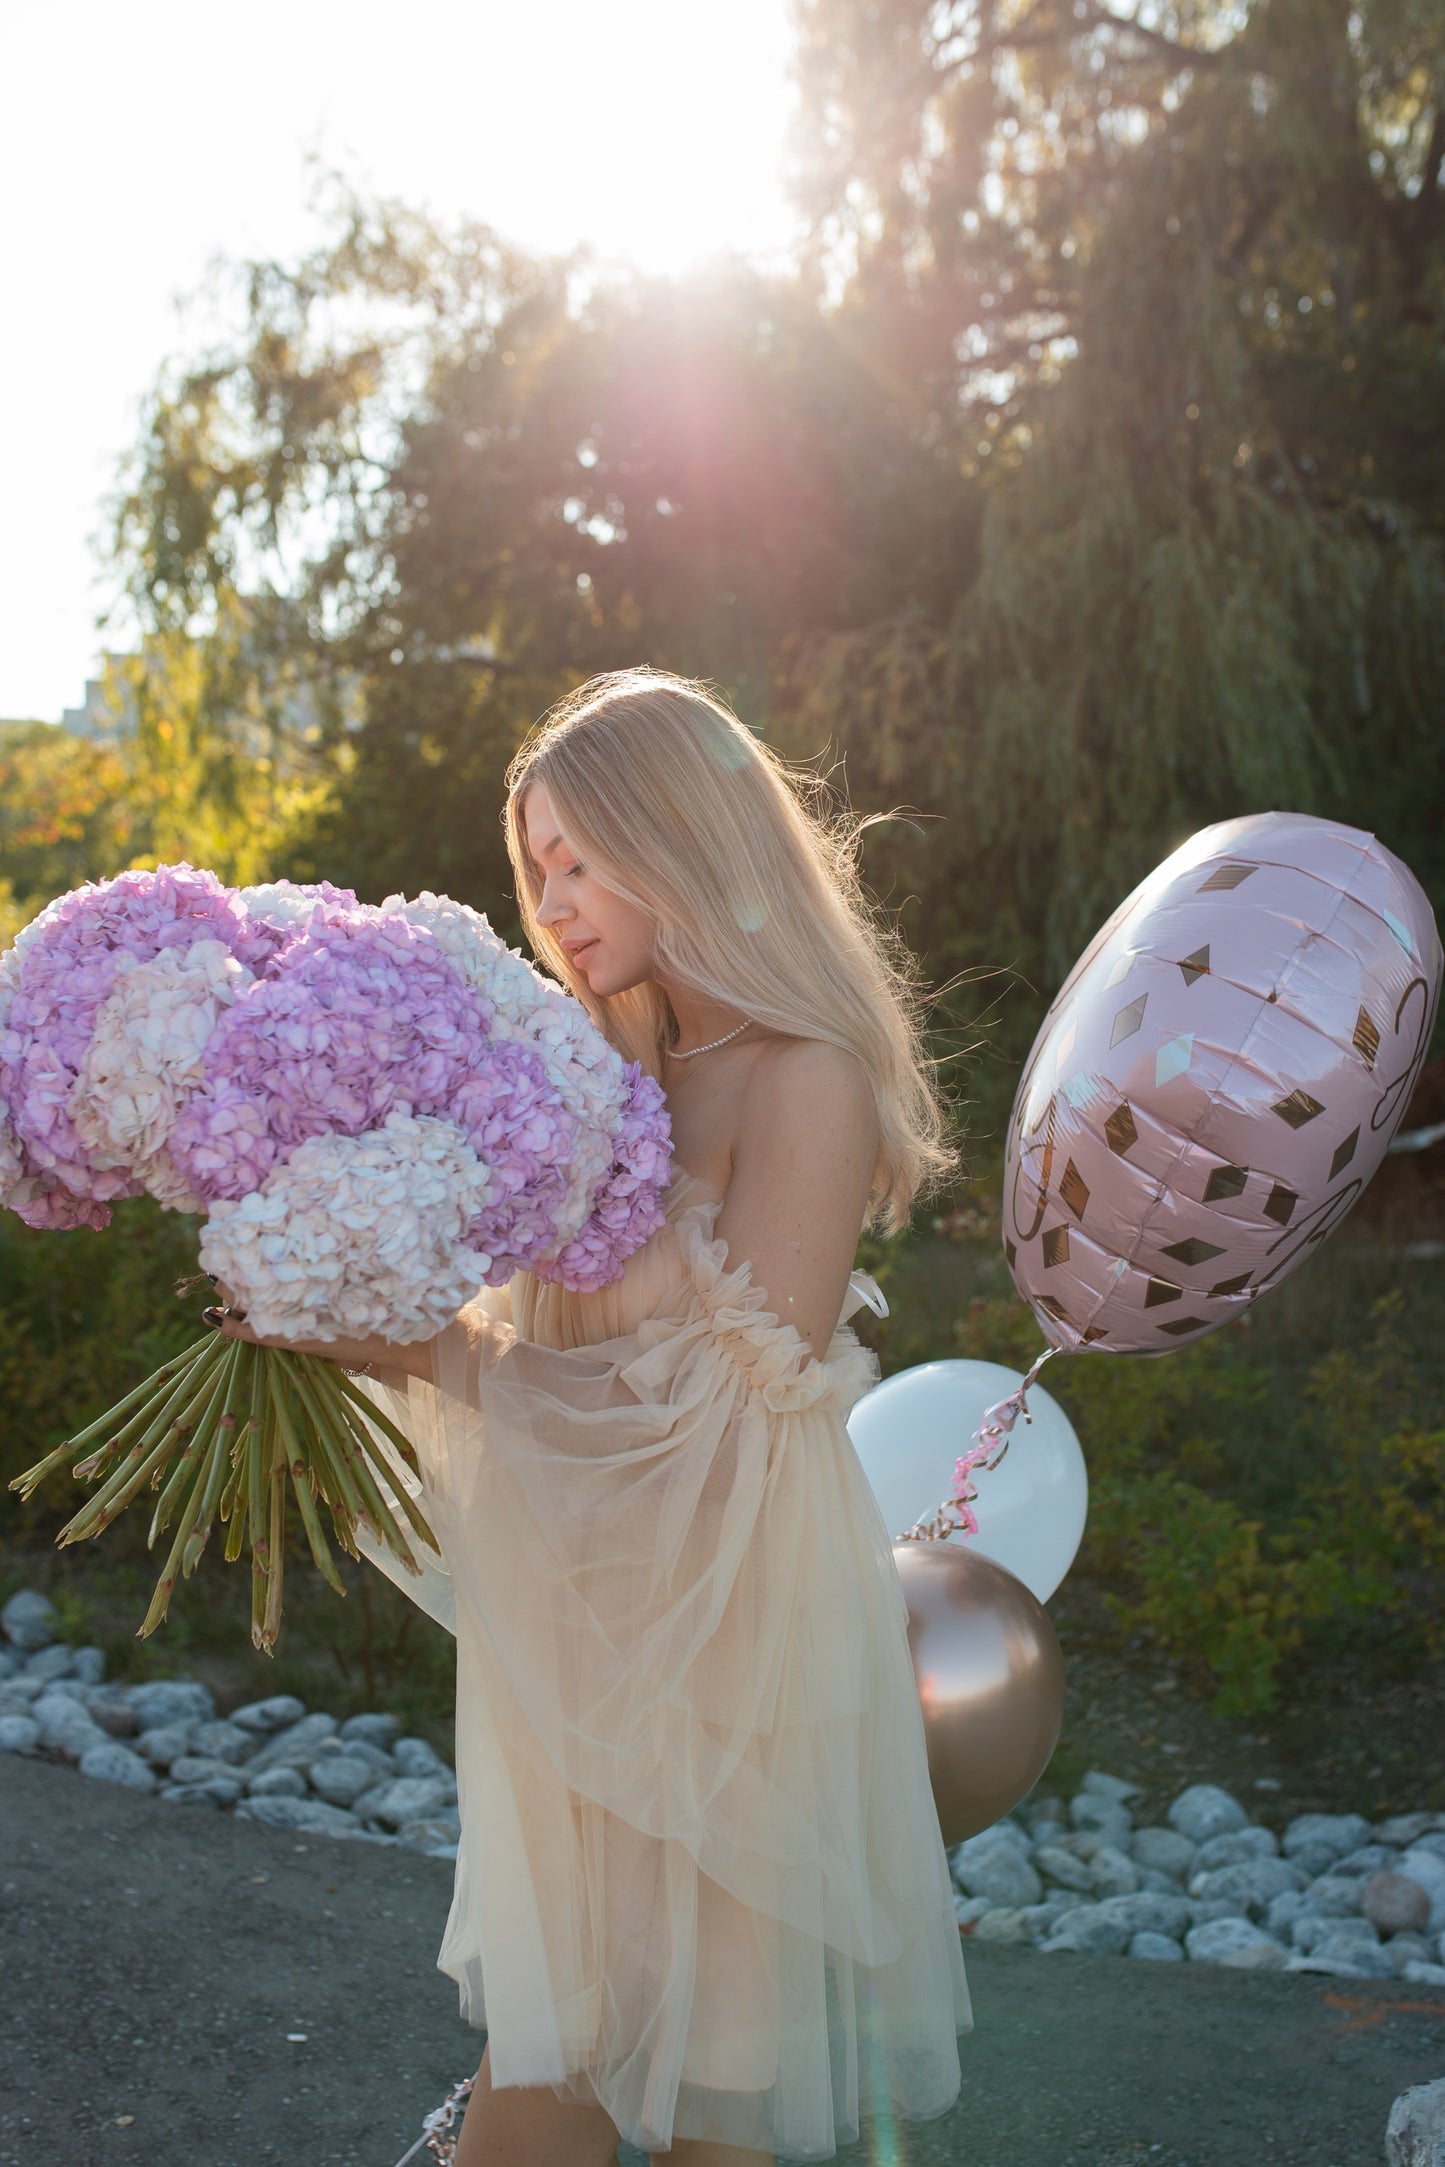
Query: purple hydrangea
628	1208
360	1016
69	959
318	1018
515	1120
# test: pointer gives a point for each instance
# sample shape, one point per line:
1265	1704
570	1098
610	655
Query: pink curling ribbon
955	1514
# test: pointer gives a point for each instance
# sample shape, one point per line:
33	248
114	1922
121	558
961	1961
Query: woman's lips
585	950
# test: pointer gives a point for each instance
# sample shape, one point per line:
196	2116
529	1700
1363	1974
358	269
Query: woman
700	1870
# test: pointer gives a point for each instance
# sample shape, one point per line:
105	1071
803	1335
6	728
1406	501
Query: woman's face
608	940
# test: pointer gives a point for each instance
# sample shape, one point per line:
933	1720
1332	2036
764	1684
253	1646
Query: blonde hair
751	882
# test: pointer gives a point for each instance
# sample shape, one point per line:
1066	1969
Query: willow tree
442	482
1171	285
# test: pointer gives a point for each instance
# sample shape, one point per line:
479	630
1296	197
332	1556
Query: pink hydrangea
628	1209
68	961
159	1031
514	1118
360	1016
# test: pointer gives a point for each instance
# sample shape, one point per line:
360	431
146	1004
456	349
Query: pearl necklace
694	1051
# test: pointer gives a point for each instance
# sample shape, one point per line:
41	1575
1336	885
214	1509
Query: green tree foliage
463	480
1190	265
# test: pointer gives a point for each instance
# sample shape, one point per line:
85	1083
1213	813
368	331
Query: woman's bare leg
527	2125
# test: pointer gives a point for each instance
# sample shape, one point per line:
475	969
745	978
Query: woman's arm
384	1359
802	1167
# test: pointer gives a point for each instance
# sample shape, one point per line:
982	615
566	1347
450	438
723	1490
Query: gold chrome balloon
990	1681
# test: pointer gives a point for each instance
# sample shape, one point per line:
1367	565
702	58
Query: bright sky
142	139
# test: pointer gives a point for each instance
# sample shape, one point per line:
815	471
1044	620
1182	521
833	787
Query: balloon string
955	1515
435	2137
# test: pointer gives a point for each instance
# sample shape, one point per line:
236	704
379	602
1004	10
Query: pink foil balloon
1216	1081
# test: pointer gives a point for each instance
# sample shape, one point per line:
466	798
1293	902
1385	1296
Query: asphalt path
178	1986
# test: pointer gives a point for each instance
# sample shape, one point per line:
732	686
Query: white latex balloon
909	1430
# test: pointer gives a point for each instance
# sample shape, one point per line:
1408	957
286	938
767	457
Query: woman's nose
550	909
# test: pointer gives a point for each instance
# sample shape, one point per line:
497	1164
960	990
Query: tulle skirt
700	1878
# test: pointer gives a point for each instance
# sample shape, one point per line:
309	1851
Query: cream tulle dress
700	1876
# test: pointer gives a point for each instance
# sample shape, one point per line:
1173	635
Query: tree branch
1032	32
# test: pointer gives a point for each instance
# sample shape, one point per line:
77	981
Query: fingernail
215	1282
211	1317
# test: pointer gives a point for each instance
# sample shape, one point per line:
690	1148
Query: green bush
1257	1502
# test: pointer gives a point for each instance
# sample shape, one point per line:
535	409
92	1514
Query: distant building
108	711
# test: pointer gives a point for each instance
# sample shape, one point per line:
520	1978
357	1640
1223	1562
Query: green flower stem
258	1521
233	1502
156	1383
305	1498
165	1586
276	1546
335	1447
381	1521
196	1448
330	1383
255	1455
237	1376
230	1429
399	1490
146	1459
372	1413
335	1491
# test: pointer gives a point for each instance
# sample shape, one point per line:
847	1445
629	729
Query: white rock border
1332	1893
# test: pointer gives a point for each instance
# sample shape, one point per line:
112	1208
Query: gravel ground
155	1958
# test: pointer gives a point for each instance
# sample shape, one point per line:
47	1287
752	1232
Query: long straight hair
749	874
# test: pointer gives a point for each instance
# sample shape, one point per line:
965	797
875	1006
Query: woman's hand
383	1359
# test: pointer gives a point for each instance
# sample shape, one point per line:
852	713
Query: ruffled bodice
686	1266
700	1875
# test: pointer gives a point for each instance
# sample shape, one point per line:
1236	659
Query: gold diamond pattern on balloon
1225	876
1160	1291
1055	1308
1119	1130
1344	1154
1297	1109
1196	966
1066	1046
1073	1189
1128	1020
1193	1251
1010	1252
1367	1036
1095	1331
1056	1246
1230	1286
1122	967
1225	1181
1279	1204
1184	1324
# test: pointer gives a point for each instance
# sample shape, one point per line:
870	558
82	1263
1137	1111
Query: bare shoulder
806	1083
807	1115
803	1162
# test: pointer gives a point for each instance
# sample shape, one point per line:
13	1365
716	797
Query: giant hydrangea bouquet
377	1109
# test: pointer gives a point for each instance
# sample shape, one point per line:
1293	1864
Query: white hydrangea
144	1061
356	1236
587	1071
278	903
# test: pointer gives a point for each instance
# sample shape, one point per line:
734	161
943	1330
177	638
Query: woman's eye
574	870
